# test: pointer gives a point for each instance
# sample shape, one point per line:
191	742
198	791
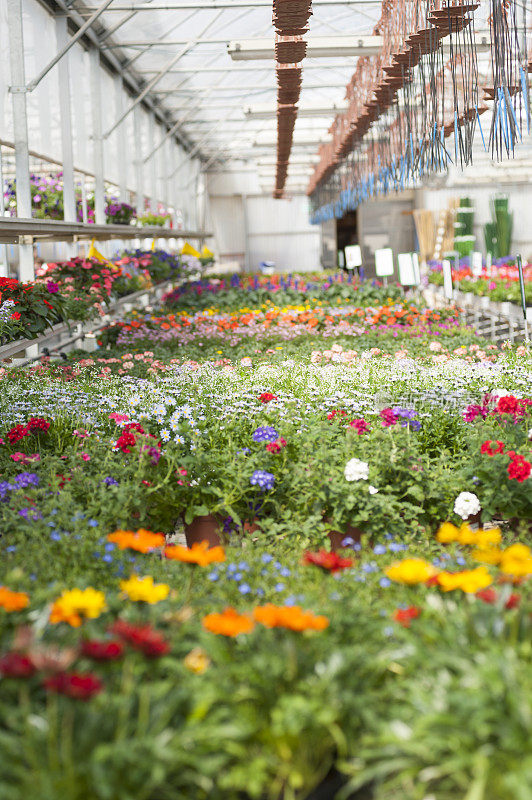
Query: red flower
488	449
78	685
336	413
102	651
17	433
487	596
15	315
388	417
519	469
513	601
16	665
508	405
143	638
38	424
360	425
266	397
404	616
328	561
276	447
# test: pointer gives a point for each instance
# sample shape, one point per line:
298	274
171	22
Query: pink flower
119	417
85	456
80	434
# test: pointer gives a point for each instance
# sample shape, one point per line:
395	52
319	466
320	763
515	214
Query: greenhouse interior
266	400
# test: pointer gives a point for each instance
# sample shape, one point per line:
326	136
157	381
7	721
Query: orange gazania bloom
228	623
13	601
292	617
199	554
143	541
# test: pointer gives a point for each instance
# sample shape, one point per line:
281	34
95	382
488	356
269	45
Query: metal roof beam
317	47
214	4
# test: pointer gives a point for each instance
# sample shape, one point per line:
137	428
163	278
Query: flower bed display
500	283
359	626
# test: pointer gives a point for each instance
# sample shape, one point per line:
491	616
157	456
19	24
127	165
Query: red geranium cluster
519	468
78	685
490	448
277	446
328	561
360	425
404	616
16	665
266	397
18	432
127	440
144	638
512	405
338	412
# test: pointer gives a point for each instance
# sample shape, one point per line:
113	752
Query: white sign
407	275
476	263
447	279
384	262
417	273
353	256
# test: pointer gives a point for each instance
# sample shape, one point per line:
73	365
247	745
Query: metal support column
20	130
153	131
137	135
122	142
96	103
4	266
65	115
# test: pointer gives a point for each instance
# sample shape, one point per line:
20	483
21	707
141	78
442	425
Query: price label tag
407	275
353	256
447	279
384	262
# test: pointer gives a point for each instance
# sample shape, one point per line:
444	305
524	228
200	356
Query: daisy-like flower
356	470
165	434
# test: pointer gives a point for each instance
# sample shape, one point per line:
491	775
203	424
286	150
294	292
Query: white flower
356	470
165	435
373	490
466	504
134	400
530	433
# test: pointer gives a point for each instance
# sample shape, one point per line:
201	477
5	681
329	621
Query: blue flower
384	582
284	572
264	480
107	558
110	481
279	587
265	434
11	549
379	549
244	588
93	523
266	558
55	536
212	576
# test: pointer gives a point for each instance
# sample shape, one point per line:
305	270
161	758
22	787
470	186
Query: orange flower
143	541
199	554
228	623
292	617
13	601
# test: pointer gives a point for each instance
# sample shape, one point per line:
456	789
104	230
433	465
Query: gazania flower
75	605
144	589
411	571
516	561
142	541
197	661
13	601
16	665
144	638
292	617
404	616
78	685
328	561
102	650
199	554
228	623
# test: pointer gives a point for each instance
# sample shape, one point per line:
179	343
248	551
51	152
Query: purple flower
265	434
26	479
52	287
110	481
264	480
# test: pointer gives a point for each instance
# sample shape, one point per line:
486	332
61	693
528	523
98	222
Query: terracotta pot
336	537
203	529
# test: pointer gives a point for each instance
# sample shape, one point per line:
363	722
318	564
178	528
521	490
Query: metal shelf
14	230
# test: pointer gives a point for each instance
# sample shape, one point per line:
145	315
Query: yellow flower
411	571
487	555
76	604
197	661
489	538
469	581
144	589
517	561
447	533
466	534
